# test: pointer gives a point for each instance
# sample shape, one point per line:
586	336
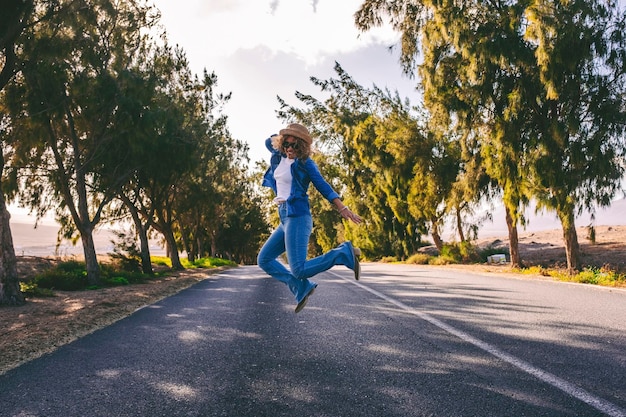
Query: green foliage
455	253
388	259
72	276
71	110
520	101
66	276
215	262
61	280
536	270
469	252
32	290
534	92
126	254
161	260
459	252
198	263
208	263
419	259
112	275
187	264
594	276
115	281
442	260
381	159
590	275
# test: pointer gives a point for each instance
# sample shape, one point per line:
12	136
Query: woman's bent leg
341	255
267	260
297	234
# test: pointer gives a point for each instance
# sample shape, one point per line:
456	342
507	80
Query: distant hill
610	216
41	241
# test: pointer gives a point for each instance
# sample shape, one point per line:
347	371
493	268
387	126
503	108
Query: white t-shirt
282	175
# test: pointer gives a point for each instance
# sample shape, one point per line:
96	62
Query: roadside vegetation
103	122
468	254
71	275
589	275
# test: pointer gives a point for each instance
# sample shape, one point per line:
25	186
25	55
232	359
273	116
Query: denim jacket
303	172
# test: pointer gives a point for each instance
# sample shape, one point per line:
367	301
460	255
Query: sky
263	49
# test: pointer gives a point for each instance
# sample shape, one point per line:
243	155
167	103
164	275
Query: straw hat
299	131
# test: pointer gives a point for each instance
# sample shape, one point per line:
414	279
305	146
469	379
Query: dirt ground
546	248
44	324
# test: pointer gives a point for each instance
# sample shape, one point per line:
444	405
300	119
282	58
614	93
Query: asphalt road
403	341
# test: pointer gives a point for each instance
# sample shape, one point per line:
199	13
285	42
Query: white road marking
598	403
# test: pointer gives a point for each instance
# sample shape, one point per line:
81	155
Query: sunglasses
287	145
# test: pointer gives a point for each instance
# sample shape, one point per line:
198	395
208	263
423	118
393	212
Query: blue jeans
292	235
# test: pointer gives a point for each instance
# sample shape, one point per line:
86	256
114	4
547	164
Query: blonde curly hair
303	150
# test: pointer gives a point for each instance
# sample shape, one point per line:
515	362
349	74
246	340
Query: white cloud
257	76
263	49
309	30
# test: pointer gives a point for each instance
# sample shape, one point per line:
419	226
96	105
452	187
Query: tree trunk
572	249
459	225
199	247
172	248
436	235
513	240
17	16
10	293
91	259
142	231
146	262
144	243
213	245
188	245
